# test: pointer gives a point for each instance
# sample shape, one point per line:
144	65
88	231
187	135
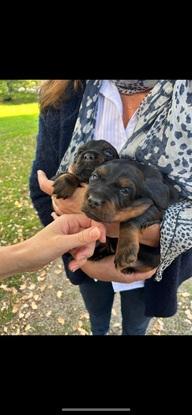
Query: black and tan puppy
135	195
88	157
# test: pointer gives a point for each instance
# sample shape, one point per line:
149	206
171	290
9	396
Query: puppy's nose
94	201
89	156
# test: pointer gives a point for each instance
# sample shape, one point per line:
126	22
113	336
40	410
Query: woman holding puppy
150	122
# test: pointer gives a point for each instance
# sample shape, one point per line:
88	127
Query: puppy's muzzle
95	202
89	156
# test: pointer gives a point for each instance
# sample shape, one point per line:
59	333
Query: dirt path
53	306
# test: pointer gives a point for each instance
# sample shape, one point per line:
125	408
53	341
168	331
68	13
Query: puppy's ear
157	191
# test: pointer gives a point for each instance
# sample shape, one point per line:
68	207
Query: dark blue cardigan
55	130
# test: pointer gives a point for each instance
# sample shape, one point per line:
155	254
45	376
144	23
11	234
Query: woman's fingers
45	184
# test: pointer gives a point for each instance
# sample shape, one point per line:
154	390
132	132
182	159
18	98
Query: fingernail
73	269
103	239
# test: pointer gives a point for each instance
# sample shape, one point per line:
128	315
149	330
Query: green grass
18	130
6	315
18	220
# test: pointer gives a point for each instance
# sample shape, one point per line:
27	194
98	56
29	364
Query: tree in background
10	88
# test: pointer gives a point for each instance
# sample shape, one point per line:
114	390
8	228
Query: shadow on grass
17	99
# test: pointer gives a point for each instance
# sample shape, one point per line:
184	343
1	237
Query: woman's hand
87	250
65	233
45	184
104	270
71	204
150	236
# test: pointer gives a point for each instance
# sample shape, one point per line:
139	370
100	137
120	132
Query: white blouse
109	126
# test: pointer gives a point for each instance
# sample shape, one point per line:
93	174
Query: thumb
82	238
45	184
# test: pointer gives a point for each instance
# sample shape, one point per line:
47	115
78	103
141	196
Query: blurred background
19	91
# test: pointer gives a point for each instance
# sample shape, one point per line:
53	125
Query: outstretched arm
64	234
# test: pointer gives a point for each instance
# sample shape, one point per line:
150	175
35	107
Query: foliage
10	89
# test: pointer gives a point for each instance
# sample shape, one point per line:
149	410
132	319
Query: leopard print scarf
162	138
127	86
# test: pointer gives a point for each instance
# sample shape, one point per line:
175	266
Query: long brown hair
52	92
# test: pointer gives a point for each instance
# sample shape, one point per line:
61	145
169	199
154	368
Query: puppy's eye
94	176
108	153
125	191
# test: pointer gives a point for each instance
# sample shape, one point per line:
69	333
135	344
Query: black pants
98	298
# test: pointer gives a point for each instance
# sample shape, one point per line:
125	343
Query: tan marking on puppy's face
124	182
102	171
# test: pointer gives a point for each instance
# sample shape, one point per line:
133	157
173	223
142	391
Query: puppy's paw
126	257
